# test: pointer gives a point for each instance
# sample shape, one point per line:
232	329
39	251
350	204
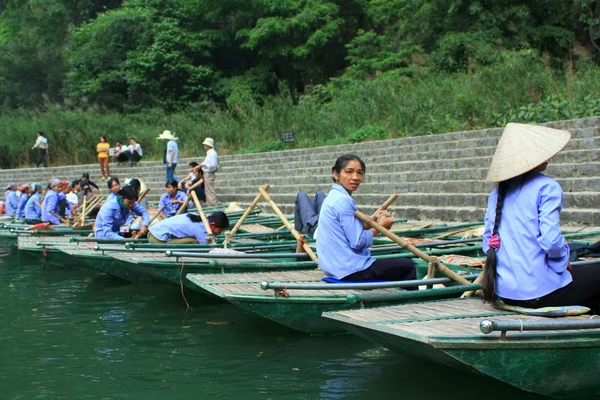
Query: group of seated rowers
528	257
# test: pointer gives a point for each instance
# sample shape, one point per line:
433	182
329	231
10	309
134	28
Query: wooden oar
209	235
157	215
385	205
293	231
83	210
426	257
143	195
91	207
229	235
64	221
184	205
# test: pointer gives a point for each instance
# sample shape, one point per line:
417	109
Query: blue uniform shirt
342	244
12	202
179	227
533	254
21	207
111	216
32	210
111	196
171	209
50	205
172	146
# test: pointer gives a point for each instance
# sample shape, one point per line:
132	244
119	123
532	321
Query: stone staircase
436	176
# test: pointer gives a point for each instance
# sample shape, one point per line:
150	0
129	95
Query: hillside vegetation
244	72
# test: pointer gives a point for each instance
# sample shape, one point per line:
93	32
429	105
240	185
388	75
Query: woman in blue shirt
114	214
50	208
12	202
343	241
33	209
172	199
23	201
186	229
114	186
528	258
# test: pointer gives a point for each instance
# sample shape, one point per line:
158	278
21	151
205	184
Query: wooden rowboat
561	360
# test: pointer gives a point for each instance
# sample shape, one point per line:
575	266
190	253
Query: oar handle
184	205
157	214
209	235
64	221
293	231
247	212
387	203
143	195
426	257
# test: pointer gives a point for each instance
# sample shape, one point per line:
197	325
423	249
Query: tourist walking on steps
527	261
102	150
209	167
343	241
171	154
41	144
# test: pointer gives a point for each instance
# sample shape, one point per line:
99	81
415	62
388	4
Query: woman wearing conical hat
528	257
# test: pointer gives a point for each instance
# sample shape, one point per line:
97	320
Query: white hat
522	148
167	135
209	142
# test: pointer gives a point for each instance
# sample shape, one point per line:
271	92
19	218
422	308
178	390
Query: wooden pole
209	235
156	215
387	203
369	221
64	221
83	211
90	208
256	200
293	231
143	195
183	206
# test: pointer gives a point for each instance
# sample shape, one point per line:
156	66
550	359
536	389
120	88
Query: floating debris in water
219	323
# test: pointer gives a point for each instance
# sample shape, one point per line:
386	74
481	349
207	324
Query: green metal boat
548	356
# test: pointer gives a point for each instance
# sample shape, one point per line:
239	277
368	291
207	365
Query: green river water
69	333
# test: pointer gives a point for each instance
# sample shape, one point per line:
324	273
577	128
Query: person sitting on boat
343	242
33	209
111	222
10	199
114	186
186	229
527	257
307	211
51	206
25	191
172	200
140	187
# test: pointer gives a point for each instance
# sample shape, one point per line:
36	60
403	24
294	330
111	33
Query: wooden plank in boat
279	276
256	228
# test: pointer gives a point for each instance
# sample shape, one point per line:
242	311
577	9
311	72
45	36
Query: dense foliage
328	70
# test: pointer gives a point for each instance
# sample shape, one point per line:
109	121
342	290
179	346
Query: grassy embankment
520	88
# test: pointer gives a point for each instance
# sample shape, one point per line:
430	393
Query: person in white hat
171	154
528	258
209	166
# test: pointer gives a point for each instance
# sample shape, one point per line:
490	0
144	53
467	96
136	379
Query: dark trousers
42	158
583	291
393	269
307	212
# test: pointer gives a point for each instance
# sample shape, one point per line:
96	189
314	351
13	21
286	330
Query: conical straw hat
522	148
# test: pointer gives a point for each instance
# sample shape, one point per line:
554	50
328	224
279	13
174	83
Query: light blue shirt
32	210
12	202
343	244
111	196
111	216
171	209
21	207
50	205
177	227
172	146
533	254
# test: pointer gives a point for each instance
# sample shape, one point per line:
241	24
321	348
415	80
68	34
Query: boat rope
181	287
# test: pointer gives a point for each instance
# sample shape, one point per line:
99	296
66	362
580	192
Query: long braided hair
488	284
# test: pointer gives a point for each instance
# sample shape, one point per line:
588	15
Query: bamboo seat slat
304	275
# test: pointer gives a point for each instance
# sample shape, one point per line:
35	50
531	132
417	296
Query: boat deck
29	242
248	284
456	319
